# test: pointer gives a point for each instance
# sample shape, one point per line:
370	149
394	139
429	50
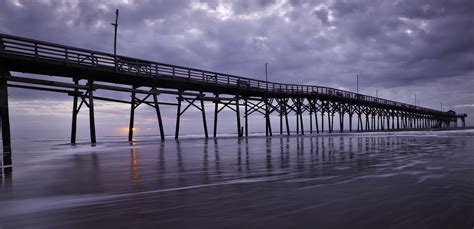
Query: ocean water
362	180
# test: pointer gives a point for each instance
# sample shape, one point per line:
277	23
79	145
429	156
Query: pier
90	71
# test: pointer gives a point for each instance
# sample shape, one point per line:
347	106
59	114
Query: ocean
412	179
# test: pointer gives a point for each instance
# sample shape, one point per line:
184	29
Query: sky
397	47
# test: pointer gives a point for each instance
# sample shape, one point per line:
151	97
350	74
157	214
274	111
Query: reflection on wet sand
214	162
277	182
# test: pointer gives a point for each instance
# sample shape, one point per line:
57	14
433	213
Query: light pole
376	93
266	74
115	36
415	99
357	83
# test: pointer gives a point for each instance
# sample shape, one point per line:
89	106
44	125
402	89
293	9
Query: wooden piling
74	113
203	112
246	118
216	110
287	123
237	111
316	121
178	117
341	122
6	138
91	112
350	122
280	101
158	115
132	117
322	121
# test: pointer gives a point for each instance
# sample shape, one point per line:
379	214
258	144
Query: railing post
36	50
93	60
137	67
66	53
2	47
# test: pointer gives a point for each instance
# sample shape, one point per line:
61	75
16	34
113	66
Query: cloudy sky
400	47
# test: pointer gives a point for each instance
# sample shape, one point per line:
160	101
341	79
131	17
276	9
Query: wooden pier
147	80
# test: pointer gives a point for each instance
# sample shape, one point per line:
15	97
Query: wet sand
376	180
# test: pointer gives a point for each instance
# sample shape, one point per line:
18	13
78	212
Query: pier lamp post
266	74
268	130
115	37
357	83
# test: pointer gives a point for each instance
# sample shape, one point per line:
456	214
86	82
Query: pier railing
46	51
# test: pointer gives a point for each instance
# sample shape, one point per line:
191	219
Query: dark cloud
322	14
395	46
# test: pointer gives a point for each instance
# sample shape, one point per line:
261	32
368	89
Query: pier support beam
158	114
237	111
203	114
268	125
359	122
322	121
74	113
6	139
299	117
280	101
91	112
398	122
178	117
316	117
246	113
367	123
191	102
350	122
329	123
341	121
388	122
393	122
287	123
132	117
216	111
87	99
